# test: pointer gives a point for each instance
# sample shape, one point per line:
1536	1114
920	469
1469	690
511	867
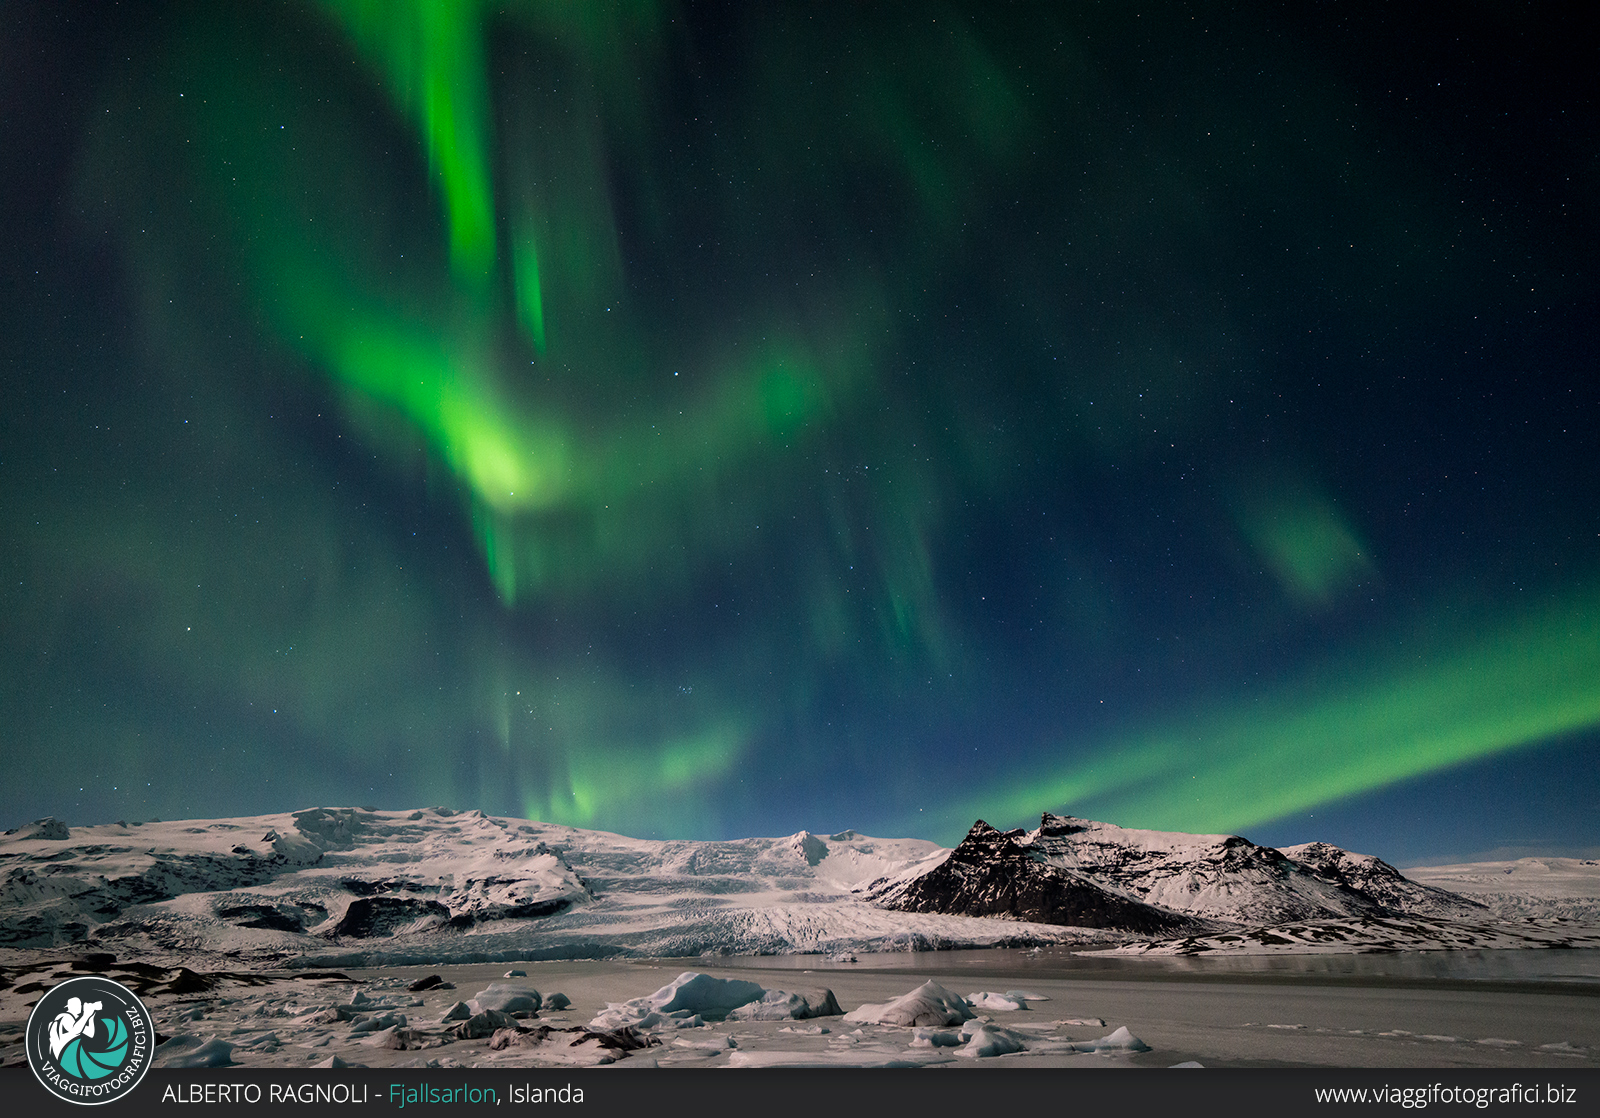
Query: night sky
704	420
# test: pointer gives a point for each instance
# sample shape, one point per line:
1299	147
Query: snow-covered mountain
347	886
1075	871
344	885
1537	888
1000	873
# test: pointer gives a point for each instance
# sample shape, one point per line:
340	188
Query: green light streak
563	487
621	782
638	482
510	460
429	54
530	293
1531	680
1306	541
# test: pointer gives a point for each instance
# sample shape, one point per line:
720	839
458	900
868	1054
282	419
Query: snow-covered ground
504	942
1528	888
348	887
949	1009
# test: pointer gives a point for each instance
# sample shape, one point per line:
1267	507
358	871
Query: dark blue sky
704	420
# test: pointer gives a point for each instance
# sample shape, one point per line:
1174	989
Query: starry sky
701	420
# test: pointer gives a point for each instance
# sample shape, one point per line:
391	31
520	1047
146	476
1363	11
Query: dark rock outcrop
990	874
1381	883
381	916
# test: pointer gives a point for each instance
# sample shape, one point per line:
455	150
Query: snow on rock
997	873
1374	878
928	1004
1076	871
809	847
48	829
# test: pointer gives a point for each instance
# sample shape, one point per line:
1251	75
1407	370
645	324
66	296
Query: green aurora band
1529	680
713	431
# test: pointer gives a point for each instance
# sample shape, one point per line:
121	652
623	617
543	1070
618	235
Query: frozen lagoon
1494	1009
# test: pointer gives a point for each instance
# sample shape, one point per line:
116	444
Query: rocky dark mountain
1088	874
992	874
1381	883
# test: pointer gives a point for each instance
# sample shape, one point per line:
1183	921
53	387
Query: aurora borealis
706	420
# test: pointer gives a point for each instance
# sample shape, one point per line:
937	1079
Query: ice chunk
480	1025
49	828
508	997
1120	1041
397	1037
781	1005
626	1015
186	1051
689	997
702	994
989	1040
928	1004
988	999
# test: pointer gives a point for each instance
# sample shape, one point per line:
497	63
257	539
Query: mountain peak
1172	876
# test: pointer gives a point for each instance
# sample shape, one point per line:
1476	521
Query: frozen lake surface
1505	1009
1579	965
